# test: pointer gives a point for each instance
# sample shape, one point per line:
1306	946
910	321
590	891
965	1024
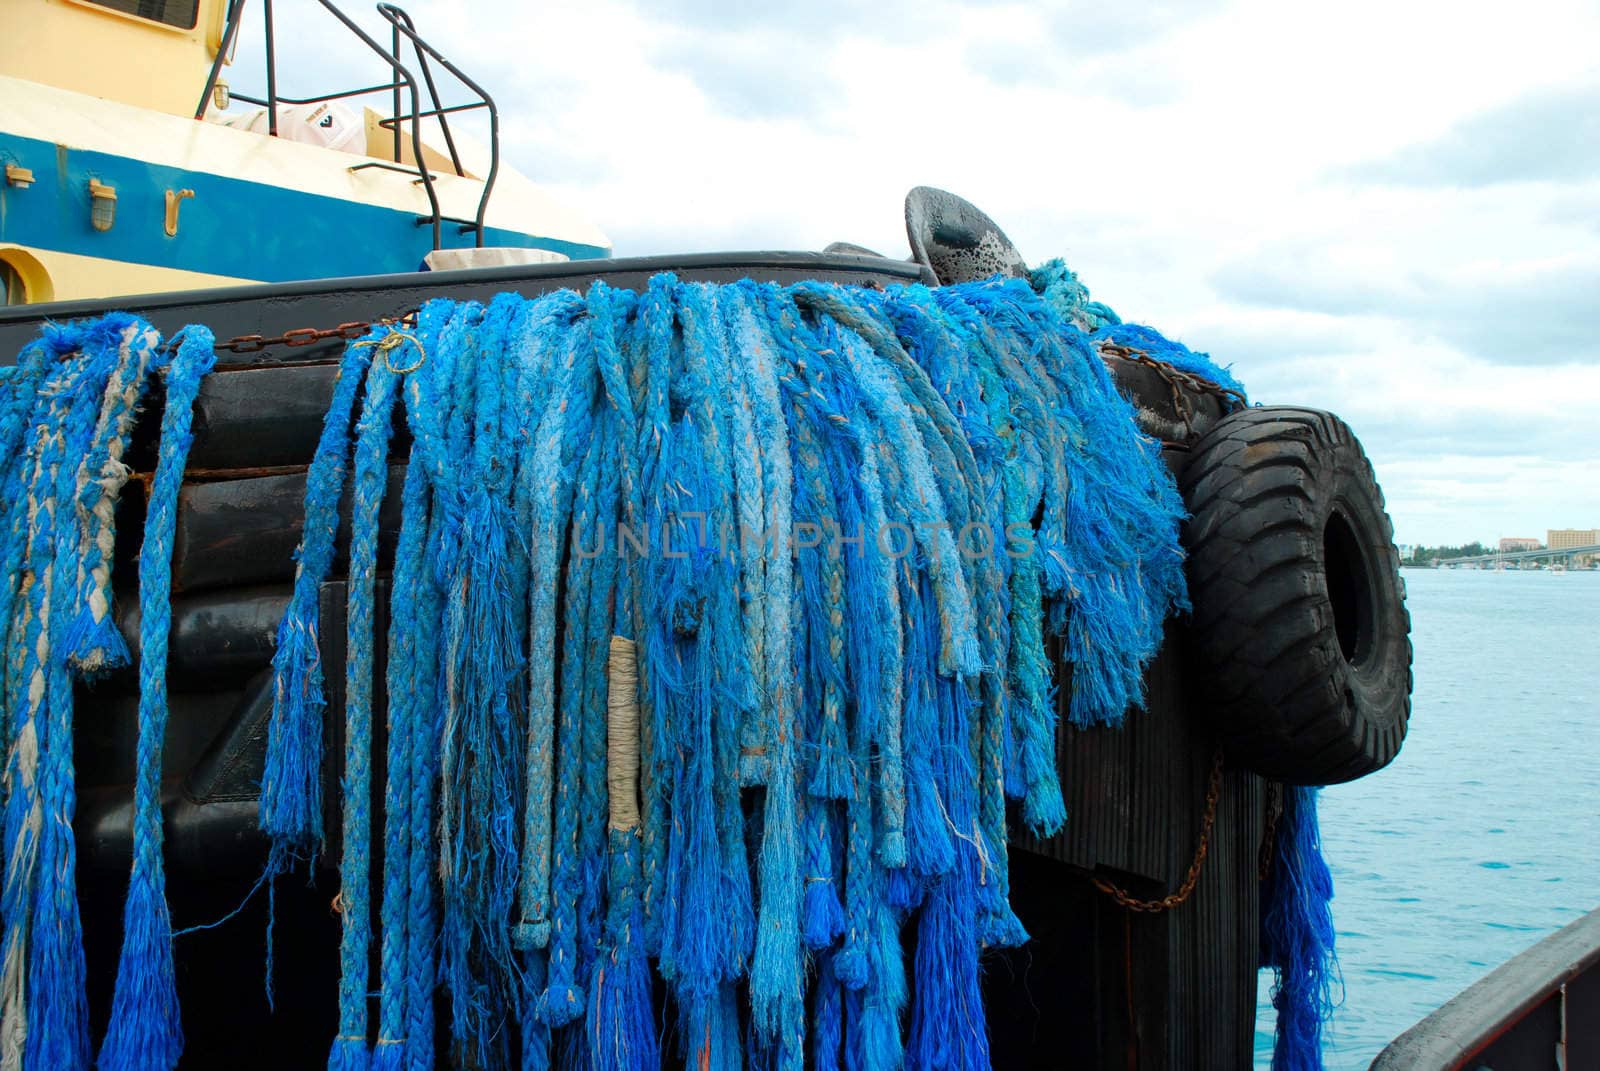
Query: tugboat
1145	912
127	171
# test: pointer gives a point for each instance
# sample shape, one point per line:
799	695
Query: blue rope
291	785
774	494
25	407
483	662
621	1024
610	606
564	999
405	859
350	1050
24	817
58	1028
94	644
1060	286
417	606
549	471
1297	935
146	1029
777	968
651	340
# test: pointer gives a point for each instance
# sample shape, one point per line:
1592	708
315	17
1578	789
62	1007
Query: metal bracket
174	199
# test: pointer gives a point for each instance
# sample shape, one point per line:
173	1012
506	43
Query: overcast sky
1391	210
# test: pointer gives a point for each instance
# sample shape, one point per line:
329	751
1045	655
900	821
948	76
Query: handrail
416	131
401	25
401	22
427	78
1499	1009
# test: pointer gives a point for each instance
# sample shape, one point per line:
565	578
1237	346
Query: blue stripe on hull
232	227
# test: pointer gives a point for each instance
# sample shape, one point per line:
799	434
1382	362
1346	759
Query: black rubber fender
1300	640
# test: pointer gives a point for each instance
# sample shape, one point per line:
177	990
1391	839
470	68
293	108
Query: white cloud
1207	168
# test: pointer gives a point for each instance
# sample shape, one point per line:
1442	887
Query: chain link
1269	836
1192	878
1175	378
306	336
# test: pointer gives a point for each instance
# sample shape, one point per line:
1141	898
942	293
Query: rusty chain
1175	377
1269	836
1192	878
306	336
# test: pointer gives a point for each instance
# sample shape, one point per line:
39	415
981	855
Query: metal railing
406	97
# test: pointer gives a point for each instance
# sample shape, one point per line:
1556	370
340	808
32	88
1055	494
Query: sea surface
1483	837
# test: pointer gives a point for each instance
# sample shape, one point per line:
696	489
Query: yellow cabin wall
76	45
52	276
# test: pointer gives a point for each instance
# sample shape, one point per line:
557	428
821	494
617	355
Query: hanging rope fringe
291	787
146	1032
1297	934
716	646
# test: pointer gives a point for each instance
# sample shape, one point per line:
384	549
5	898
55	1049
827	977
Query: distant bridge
1566	553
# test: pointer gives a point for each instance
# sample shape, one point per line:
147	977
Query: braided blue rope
350	1050
564	999
57	1012
549	472
24	406
146	1030
405	861
651	342
608	597
94	644
420	621
24	802
444	442
748	537
777	965
730	678
291	784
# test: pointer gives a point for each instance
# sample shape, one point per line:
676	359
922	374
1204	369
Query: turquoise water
1483	837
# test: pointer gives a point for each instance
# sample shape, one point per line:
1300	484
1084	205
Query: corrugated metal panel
1136	799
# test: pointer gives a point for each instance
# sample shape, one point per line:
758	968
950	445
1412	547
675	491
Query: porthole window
177	13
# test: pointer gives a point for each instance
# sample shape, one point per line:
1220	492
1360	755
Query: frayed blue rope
291	785
24	815
1297	935
94	644
1060	286
57	1012
146	1030
690	414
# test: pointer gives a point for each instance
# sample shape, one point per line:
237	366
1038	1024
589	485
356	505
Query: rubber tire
1300	634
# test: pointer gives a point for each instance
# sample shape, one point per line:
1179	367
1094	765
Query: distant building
1407	551
1561	538
1512	544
